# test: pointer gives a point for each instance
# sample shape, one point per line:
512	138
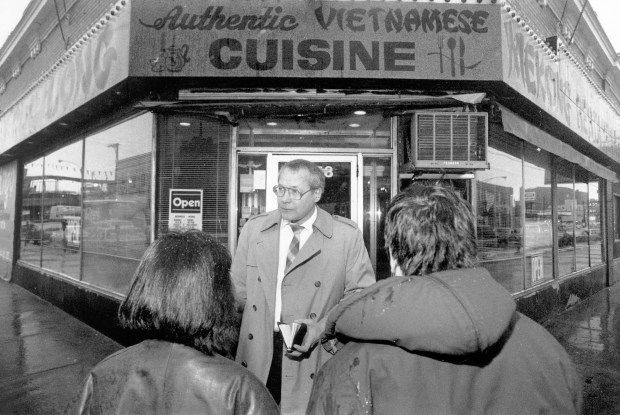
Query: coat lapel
322	228
311	248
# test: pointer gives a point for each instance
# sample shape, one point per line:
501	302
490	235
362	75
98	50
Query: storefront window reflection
538	229
516	237
90	220
61	202
32	213
116	207
583	237
498	208
569	207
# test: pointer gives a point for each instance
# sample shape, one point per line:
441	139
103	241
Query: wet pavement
45	353
590	332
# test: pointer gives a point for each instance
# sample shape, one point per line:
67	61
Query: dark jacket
445	343
156	377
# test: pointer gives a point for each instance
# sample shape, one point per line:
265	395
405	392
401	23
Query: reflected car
538	235
31	232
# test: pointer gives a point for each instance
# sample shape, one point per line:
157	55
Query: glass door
342	190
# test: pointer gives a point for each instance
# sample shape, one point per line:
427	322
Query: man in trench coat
332	262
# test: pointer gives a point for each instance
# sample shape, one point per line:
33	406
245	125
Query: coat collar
324	222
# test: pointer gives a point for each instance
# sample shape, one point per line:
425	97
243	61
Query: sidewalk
590	332
45	353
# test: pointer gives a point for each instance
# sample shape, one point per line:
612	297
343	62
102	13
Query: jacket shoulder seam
344	220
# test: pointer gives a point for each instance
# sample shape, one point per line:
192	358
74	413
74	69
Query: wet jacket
156	377
331	264
446	343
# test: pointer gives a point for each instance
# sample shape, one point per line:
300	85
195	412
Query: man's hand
313	335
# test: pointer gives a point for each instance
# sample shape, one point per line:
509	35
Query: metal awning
234	104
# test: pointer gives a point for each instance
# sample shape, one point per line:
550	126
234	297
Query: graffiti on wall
559	88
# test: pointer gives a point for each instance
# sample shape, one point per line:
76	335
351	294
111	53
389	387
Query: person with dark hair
294	265
440	336
181	301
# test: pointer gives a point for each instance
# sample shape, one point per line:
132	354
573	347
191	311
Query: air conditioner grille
447	140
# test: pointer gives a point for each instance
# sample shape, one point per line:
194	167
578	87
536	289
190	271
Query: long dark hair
182	293
430	228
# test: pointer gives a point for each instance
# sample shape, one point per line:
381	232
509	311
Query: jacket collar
324	222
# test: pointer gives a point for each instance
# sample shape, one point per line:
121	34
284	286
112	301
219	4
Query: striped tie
293	248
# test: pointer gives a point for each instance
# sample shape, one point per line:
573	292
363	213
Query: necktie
293	248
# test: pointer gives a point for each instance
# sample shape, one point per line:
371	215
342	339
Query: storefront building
165	114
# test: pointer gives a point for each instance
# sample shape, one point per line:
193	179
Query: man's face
297	210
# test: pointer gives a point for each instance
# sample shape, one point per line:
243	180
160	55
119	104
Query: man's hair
182	293
317	178
430	228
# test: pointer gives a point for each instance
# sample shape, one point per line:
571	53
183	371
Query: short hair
430	228
317	177
182	293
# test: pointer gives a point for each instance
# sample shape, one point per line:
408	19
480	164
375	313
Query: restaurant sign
558	87
321	39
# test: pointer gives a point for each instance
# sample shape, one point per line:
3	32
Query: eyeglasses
294	194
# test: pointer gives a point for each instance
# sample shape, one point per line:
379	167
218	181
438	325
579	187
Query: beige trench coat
331	264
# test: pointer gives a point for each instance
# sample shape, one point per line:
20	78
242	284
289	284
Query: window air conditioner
450	140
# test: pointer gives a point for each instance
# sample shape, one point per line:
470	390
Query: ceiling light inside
184	124
360	112
354	125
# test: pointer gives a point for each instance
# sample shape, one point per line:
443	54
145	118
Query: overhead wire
62	33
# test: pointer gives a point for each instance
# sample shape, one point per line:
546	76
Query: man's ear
317	195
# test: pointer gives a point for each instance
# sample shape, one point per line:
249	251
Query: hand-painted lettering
379	19
214	18
311	54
